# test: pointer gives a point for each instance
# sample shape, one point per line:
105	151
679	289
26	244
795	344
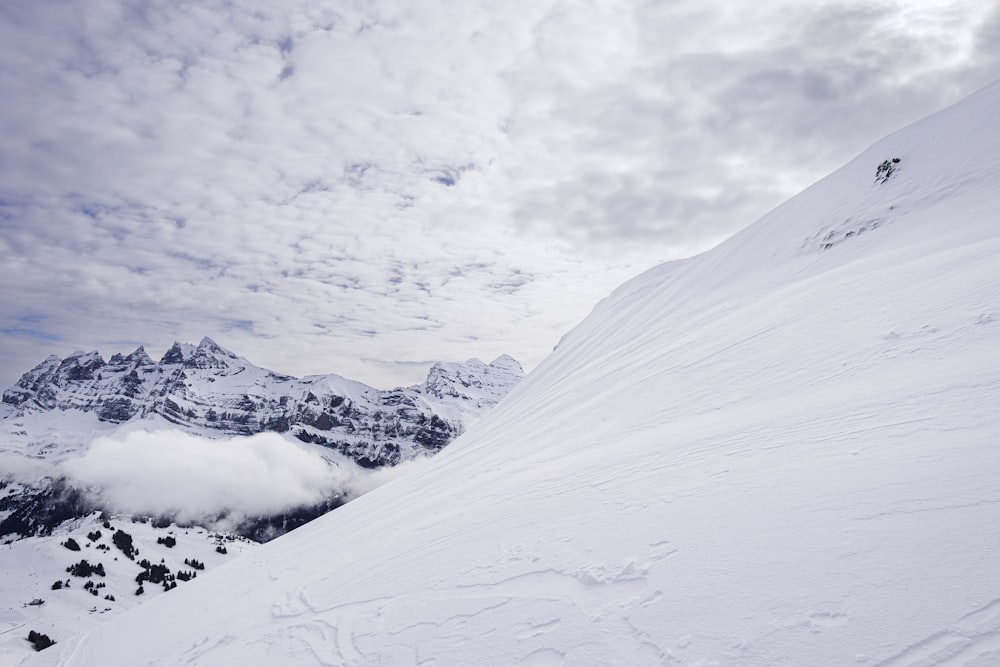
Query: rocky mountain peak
177	353
139	357
209	354
472	381
211	389
508	363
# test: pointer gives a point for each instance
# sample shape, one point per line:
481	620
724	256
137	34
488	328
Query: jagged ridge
209	388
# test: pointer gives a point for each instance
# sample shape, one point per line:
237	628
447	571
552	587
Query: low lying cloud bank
195	479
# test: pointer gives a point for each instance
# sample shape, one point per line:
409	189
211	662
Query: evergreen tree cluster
155	573
39	641
123	541
84	569
195	563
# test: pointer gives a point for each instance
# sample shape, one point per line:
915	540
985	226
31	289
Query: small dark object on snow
123	541
84	569
885	170
39	641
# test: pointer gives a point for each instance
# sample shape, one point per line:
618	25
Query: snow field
30	567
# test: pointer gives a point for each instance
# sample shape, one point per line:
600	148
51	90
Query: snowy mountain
780	452
57	409
211	390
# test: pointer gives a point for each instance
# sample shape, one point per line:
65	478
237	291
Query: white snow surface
31	566
775	453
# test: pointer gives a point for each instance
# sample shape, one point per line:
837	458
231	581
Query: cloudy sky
363	187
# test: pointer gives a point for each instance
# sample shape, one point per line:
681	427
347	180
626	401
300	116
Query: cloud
698	122
197	479
463	181
21	468
363	480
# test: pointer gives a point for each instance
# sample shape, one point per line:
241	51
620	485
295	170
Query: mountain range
58	408
212	390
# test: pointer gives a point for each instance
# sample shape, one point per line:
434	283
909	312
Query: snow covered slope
46	588
781	452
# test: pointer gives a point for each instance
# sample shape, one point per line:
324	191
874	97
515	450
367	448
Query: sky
363	188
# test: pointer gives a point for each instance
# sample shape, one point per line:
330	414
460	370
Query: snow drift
780	452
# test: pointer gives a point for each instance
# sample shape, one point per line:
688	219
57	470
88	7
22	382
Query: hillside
780	452
88	571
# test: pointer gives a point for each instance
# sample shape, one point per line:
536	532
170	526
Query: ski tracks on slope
599	594
972	640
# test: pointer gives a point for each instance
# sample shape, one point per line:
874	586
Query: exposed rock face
208	387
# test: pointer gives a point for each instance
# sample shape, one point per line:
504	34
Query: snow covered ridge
775	453
212	390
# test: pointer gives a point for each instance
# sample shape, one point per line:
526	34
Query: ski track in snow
352	622
974	639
